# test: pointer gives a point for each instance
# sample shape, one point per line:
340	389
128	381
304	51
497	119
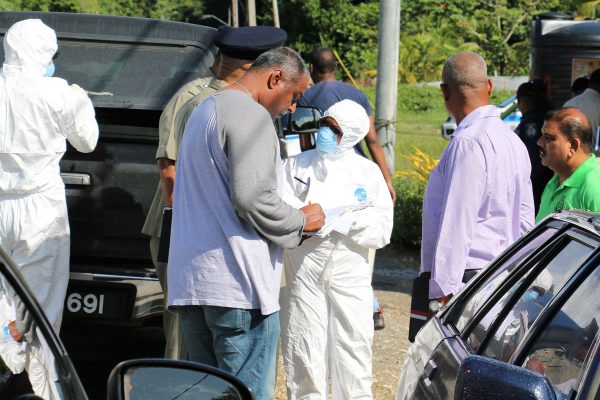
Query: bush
419	98
410	187
407	211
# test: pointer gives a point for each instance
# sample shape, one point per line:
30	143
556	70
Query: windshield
130	75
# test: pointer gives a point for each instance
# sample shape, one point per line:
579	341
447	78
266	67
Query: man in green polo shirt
566	148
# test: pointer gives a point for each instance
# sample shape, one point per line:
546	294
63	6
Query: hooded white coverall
326	307
37	114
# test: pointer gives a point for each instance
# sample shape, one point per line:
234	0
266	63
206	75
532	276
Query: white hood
29	46
354	123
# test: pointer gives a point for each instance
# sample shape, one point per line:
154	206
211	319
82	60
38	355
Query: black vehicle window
133	76
494	281
565	342
509	333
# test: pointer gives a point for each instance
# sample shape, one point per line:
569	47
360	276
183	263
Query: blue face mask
50	70
326	140
530	295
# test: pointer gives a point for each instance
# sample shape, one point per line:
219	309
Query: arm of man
79	119
252	151
462	192
373	226
527	208
166	169
374	146
169	132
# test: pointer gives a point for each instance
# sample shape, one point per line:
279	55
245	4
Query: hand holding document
340	219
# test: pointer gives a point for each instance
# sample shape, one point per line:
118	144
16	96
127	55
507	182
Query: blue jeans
242	342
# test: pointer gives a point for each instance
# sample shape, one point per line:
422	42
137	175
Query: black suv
525	327
130	67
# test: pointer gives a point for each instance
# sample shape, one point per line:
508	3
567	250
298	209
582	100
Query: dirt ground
394	270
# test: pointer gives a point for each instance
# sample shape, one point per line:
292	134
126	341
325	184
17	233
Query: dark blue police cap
248	42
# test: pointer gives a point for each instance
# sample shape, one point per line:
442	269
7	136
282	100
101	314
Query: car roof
125	62
133	29
586	220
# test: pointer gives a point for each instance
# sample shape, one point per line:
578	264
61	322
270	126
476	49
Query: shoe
378	321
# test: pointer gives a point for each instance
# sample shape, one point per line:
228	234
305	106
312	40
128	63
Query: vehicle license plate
99	300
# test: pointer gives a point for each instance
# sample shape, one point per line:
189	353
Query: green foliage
181	10
407	211
431	30
424	51
498	29
419	99
587	9
351	28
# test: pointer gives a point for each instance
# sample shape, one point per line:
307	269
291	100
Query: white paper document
340	219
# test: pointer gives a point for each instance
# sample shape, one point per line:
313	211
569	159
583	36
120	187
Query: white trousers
327	331
34	230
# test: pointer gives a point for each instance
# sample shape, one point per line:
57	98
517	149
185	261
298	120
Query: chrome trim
71	178
85	276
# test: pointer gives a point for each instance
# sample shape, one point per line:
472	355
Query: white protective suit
327	305
37	114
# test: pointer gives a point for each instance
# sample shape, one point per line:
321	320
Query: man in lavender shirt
479	199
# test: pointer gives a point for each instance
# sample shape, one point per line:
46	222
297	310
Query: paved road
96	350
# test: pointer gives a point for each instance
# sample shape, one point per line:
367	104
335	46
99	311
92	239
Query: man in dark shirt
531	97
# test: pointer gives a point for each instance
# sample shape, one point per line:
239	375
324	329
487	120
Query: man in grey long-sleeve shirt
230	224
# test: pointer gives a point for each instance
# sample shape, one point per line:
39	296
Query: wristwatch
434	306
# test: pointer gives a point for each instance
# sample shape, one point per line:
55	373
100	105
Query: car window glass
26	363
495	280
507	336
561	349
127	76
148	383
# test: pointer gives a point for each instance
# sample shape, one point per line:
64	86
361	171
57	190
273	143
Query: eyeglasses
335	129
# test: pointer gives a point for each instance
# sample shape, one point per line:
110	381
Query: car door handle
70	178
430	369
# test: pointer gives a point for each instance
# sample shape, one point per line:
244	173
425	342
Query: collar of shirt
217	84
578	176
481	112
590	92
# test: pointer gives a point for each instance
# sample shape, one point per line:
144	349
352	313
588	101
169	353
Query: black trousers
467	276
419	302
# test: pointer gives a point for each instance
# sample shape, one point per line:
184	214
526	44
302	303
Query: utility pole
275	14
234	13
251	7
387	77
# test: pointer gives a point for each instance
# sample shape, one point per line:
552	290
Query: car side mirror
300	128
485	378
149	379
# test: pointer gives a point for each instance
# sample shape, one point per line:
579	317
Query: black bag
419	302
165	236
419	305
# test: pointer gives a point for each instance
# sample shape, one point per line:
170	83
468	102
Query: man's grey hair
465	70
284	58
572	126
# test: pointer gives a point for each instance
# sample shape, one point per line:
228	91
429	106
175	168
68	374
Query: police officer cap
248	42
535	89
